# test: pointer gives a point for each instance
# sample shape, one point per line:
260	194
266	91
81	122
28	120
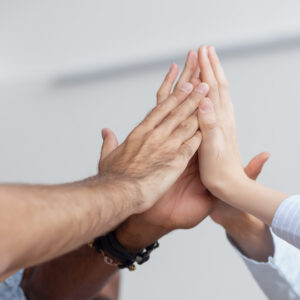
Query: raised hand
158	150
187	201
219	157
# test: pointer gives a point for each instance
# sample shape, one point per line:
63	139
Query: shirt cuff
10	288
279	276
286	221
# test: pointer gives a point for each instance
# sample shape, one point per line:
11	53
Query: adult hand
158	150
187	201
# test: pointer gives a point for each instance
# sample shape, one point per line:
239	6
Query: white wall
51	133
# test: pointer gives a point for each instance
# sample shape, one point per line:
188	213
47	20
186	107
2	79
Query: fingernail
186	87
202	88
206	105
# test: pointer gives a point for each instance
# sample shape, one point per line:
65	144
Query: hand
219	158
249	233
158	150
186	203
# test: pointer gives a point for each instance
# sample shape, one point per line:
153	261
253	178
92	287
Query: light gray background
59	85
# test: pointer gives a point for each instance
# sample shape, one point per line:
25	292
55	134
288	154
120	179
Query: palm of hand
185	204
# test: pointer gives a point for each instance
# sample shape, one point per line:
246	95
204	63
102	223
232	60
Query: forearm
251	197
251	236
54	219
79	275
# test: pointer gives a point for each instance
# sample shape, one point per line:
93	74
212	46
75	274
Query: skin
85	269
250	234
220	164
132	177
184	205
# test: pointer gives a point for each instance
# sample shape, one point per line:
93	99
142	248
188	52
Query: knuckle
174	114
159	94
153	136
178	95
187	151
160	108
214	85
209	123
136	133
132	135
186	126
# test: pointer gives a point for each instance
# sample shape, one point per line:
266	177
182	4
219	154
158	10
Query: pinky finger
190	147
166	87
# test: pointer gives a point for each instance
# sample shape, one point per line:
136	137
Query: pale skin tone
130	180
220	164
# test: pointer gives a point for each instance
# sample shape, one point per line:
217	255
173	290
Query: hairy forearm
78	275
39	223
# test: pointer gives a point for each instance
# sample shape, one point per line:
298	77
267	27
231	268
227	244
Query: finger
207	74
164	108
195	81
223	85
216	66
196	75
166	87
182	112
189	68
255	166
189	148
207	116
184	131
110	142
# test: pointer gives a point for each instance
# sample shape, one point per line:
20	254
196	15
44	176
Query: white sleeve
286	222
279	278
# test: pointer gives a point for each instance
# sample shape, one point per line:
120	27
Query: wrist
134	234
252	237
122	195
231	183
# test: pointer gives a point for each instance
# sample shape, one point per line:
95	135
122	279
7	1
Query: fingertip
175	70
211	49
266	156
104	133
173	67
192	54
202	50
263	156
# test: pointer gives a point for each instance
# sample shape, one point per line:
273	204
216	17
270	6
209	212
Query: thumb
110	142
206	116
256	164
